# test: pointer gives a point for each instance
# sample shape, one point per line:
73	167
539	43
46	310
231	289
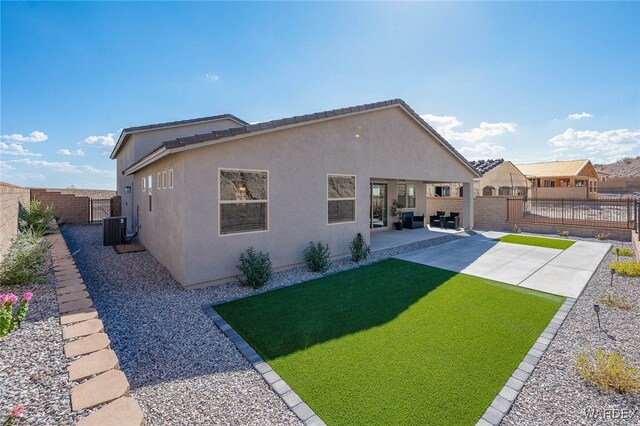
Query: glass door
378	205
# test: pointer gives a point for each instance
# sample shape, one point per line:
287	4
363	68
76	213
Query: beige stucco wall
563	192
505	175
11	199
376	145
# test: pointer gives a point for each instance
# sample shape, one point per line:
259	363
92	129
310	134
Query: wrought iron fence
100	208
600	213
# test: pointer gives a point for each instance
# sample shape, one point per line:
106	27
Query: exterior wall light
127	189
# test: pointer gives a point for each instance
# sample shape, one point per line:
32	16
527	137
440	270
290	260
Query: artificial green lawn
394	342
536	241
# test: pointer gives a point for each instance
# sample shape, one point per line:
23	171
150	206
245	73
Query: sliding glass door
378	205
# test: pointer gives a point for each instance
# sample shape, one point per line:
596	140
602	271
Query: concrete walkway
381	240
561	272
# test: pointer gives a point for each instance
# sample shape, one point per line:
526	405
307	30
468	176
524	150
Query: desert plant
10	318
13	415
616	302
608	370
26	260
631	269
316	256
255	267
516	229
602	236
397	210
359	248
36	218
563	234
623	251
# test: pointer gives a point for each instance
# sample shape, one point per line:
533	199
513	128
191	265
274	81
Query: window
581	183
164	180
443	191
170	178
407	195
487	191
341	198
549	183
159	178
243	200
144	184
504	190
149	185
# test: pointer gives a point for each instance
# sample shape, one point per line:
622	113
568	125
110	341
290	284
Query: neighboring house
500	177
202	191
562	179
603	175
448	189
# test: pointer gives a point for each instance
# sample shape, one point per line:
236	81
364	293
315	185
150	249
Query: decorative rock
82	315
76	305
95	363
103	388
70	297
87	345
81	329
123	411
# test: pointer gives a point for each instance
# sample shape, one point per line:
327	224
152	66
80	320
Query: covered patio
381	240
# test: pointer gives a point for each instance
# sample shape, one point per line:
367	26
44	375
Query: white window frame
164	179
170	178
220	202
406	194
159	178
355	198
150	183
144	184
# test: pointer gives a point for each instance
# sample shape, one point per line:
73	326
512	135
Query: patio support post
467	212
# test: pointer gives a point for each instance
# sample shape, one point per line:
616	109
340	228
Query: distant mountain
627	167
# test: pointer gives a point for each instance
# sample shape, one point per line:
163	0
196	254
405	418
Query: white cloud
612	144
106	140
481	150
29	176
15	149
212	76
446	125
64	167
579	116
35	136
76	153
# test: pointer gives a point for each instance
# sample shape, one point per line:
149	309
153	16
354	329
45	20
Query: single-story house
562	179
201	191
500	177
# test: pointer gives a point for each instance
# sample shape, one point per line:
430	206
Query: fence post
562	211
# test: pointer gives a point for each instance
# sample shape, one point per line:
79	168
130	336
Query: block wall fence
12	199
70	208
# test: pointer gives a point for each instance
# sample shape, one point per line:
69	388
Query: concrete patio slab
559	280
381	240
575	256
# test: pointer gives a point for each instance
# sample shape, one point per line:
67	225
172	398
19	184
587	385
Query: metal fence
100	208
599	213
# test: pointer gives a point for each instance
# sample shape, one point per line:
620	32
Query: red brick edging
94	366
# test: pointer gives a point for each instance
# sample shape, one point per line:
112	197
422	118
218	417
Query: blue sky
522	81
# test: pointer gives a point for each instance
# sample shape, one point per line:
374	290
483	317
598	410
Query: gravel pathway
182	369
555	393
33	370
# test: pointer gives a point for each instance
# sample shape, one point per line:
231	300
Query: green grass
536	241
394	342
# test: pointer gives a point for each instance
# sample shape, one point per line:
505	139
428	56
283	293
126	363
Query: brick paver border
503	402
284	391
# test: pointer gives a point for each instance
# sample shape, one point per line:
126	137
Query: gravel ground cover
33	370
555	393
181	368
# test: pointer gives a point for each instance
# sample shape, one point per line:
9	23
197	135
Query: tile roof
485	166
554	168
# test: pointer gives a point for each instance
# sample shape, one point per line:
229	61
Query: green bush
609	370
623	251
255	267
359	248
26	261
36	218
631	269
316	256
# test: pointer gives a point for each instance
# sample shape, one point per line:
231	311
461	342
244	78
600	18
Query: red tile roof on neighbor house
193	141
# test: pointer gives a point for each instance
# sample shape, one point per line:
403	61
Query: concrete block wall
491	213
68	207
116	206
445	204
12	199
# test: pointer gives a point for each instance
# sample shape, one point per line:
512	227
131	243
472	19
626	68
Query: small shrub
602	236
359	248
36	218
10	319
563	234
13	415
631	269
609	370
316	256
255	267
616	302
516	229
623	251
26	261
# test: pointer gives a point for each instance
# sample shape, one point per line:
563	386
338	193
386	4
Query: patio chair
413	222
452	221
437	219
